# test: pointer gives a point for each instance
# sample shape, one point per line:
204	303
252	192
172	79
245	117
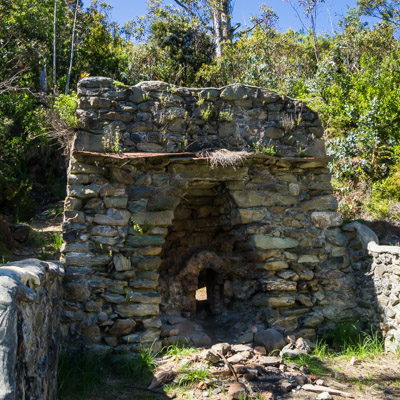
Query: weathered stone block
308	258
86	259
106	231
262	299
274	265
247	216
114	190
319	203
76	290
83	191
143	297
265	242
121	263
115	202
159	218
113	217
113	298
144	240
144	283
326	219
122	327
128	310
278	284
253	199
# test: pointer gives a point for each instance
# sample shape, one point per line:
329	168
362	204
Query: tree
310	8
216	18
386	10
217	11
72	48
55	49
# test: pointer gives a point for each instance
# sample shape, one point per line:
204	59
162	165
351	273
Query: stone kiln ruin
146	227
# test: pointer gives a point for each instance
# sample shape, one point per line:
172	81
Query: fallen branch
160	379
321	389
227	363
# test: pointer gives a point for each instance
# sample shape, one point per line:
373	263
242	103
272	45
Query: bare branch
9	84
194	15
61	131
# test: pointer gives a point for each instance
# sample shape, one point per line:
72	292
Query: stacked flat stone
30	309
385	272
140	227
159	117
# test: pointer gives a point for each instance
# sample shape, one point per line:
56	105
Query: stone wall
159	117
30	308
385	272
145	229
135	225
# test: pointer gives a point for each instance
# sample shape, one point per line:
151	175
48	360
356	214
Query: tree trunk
222	24
54	49
217	32
72	49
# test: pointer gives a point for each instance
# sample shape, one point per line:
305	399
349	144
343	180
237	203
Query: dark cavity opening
208	294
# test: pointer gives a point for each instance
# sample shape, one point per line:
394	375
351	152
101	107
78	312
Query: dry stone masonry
30	308
151	217
158	117
385	273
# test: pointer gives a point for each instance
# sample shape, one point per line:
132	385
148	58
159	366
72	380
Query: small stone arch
189	278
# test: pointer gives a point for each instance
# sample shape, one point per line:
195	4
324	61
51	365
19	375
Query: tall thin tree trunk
226	20
54	49
217	32
222	24
72	49
314	35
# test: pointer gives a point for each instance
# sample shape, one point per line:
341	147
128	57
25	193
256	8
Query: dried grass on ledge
223	157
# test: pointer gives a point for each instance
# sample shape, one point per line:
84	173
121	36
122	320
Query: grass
178	351
140	367
345	341
369	345
191	376
46	243
78	374
316	365
348	340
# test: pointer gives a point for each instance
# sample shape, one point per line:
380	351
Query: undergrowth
78	374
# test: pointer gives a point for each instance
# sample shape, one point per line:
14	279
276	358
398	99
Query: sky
330	12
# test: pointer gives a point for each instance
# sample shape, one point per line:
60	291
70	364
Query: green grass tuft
140	366
192	376
317	367
347	339
179	351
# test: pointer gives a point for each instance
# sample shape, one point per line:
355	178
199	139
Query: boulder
271	339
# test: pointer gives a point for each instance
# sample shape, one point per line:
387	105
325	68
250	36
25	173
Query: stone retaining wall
385	272
30	308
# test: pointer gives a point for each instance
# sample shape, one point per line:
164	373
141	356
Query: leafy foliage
352	78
